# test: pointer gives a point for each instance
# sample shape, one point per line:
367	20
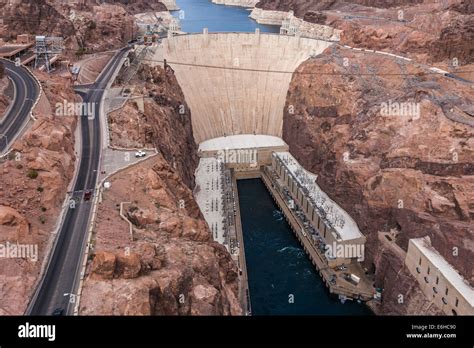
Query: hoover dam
236	83
238	158
236	86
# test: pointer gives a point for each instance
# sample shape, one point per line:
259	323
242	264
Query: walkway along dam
236	85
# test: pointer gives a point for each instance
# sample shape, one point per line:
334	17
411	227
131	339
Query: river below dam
198	14
282	279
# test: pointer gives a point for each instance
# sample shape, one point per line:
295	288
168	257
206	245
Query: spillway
236	83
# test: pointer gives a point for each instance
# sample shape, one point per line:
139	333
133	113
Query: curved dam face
236	83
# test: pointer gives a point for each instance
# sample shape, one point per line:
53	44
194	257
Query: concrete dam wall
236	83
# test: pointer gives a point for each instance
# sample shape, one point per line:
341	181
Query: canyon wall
33	181
409	172
236	83
171	266
6	91
302	7
86	26
428	31
165	122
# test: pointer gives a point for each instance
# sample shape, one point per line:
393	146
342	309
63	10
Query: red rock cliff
428	30
172	267
410	173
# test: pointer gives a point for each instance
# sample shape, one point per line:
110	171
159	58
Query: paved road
27	91
63	271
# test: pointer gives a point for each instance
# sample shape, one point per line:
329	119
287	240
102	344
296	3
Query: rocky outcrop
34	179
302	7
164	121
425	34
171	266
424	30
28	17
456	40
170	5
394	151
5	100
86	27
139	6
401	294
13	223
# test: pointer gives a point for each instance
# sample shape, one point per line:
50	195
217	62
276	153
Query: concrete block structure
243	153
439	280
236	83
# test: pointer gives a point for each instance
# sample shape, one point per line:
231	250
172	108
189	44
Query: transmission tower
46	48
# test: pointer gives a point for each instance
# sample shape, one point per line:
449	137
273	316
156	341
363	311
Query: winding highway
62	274
27	91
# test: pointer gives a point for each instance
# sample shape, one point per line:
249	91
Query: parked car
140	153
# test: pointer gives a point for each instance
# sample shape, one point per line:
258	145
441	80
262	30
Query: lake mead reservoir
198	14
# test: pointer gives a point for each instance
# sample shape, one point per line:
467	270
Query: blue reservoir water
278	268
198	14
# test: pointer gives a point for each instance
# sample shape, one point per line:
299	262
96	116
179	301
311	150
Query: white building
439	280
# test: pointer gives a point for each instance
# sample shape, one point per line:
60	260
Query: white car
140	154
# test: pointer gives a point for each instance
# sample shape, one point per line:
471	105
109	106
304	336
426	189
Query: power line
271	71
295	72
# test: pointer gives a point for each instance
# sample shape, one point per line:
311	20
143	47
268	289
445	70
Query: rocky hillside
139	6
430	31
34	179
4	86
93	26
302	7
395	151
172	266
165	114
